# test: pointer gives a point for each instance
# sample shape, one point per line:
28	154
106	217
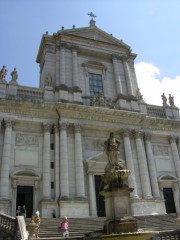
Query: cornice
153	123
83	43
28	109
99	114
81	112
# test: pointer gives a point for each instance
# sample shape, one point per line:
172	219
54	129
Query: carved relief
23	139
101	100
159	150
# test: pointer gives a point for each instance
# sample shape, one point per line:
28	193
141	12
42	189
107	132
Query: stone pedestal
118	211
117	203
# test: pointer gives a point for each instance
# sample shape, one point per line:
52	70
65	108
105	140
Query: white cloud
152	85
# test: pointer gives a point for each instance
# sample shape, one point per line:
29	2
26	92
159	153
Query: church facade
52	137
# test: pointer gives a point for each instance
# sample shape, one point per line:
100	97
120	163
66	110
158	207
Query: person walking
37	220
64	227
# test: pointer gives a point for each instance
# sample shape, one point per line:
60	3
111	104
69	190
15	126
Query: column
57	166
92	194
14	194
172	141
117	75
127	76
79	170
36	191
75	68
5	165
46	163
129	162
176	199
57	65
179	145
62	65
144	175
152	166
64	176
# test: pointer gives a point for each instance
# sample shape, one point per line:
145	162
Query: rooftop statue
14	75
3	73
164	99
171	100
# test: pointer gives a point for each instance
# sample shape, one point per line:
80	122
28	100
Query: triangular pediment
100	157
94	33
96	163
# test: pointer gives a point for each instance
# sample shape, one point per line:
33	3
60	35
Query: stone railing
26	93
167	235
12	228
156	111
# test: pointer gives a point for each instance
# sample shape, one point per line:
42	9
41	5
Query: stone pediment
100	157
97	162
95	33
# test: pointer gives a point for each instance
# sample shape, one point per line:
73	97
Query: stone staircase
165	222
80	227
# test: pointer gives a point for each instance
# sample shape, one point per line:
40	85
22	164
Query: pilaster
5	165
92	194
152	166
117	75
80	190
64	175
144	174
46	162
127	76
172	141
57	162
129	162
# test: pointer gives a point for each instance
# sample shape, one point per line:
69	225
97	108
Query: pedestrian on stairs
64	227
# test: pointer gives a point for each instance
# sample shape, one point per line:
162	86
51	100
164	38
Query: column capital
147	136
47	127
172	138
63	45
56	128
77	127
114	56
74	48
63	125
8	123
125	132
138	133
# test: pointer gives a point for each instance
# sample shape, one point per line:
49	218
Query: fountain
116	191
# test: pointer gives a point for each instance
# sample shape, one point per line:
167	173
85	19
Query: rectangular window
52	185
52	165
95	84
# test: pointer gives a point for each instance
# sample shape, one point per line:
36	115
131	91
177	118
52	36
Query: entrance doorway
25	197
99	186
169	200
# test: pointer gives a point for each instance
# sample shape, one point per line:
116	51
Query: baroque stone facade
51	138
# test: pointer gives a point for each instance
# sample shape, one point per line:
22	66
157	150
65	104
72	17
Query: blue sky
150	27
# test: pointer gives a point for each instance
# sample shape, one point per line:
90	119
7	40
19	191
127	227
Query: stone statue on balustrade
139	96
164	99
171	100
3	74
14	76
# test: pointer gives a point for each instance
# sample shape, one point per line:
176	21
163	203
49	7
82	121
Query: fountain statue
117	191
